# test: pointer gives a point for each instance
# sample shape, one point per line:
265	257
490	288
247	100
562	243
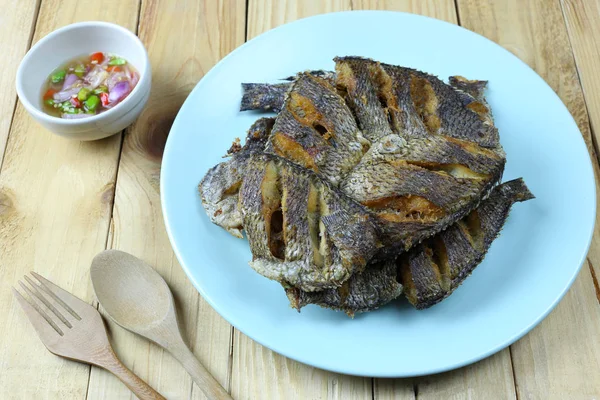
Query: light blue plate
527	271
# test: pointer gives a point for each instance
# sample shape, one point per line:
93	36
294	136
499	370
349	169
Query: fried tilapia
418	153
359	166
220	186
376	286
301	230
434	269
430	271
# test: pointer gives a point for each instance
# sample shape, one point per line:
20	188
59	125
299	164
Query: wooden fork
72	328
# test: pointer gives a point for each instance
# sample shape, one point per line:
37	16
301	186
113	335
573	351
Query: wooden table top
62	202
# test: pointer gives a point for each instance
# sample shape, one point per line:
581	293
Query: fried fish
376	286
302	231
434	269
411	148
342	193
430	271
220	186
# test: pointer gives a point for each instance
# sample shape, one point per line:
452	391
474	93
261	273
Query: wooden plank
477	381
264	15
17	23
259	373
440	9
55	206
558	359
493	374
211	30
582	19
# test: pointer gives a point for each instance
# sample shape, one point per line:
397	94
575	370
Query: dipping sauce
88	85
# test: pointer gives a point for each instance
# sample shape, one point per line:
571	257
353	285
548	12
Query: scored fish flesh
430	271
435	268
303	232
397	149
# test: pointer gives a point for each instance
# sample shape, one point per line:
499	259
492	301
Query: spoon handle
205	381
140	388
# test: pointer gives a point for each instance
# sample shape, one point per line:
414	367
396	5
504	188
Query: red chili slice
97	57
104	99
49	93
76	103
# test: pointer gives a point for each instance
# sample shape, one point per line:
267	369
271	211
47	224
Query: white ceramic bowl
72	41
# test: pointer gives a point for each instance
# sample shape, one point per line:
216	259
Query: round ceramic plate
527	270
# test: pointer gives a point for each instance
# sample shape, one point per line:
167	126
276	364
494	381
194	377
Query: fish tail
516	190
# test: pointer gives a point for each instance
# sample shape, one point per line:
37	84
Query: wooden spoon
136	297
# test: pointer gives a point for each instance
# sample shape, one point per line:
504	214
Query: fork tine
35	314
60	295
35	292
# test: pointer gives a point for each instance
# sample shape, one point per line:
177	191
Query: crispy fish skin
427	203
432	158
474	88
417	183
270	96
378	91
410	163
433	270
219	187
327	75
429	272
303	232
263	96
365	291
316	129
419	186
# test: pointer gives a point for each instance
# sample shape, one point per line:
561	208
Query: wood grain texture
440	9
557	359
583	25
582	20
184	40
17	22
264	15
56	198
491	378
259	373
